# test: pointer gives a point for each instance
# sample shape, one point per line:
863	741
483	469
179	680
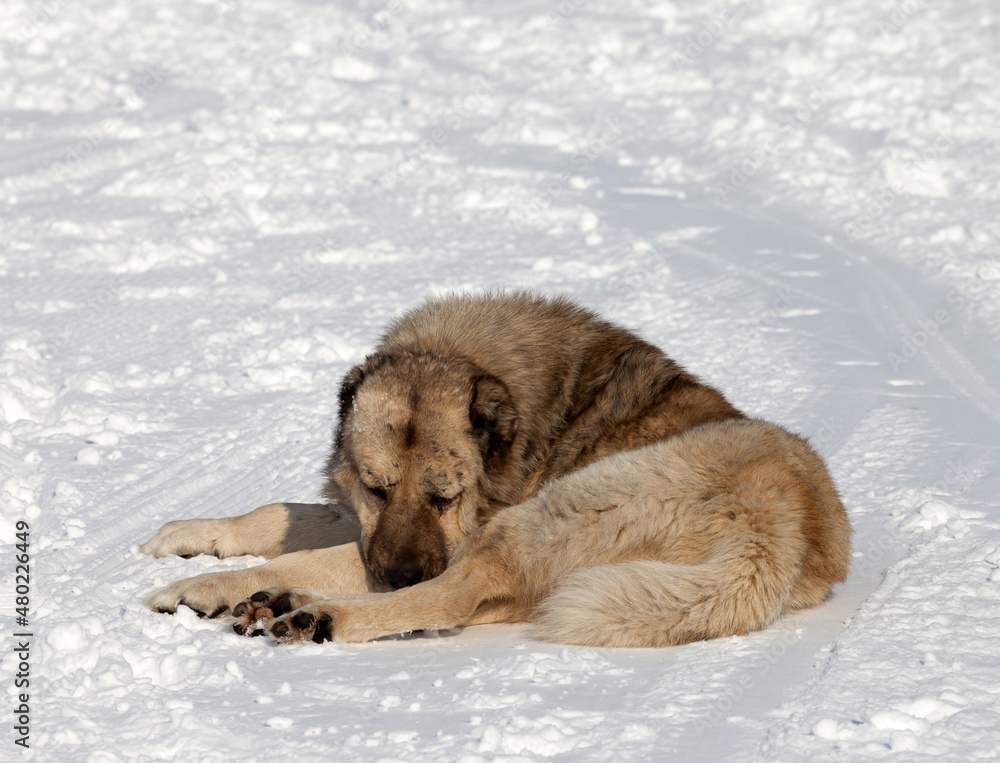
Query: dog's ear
349	387
493	417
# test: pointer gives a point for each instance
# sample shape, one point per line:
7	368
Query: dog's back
583	387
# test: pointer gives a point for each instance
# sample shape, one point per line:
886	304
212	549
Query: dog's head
420	444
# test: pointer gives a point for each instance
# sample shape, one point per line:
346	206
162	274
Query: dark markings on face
423	435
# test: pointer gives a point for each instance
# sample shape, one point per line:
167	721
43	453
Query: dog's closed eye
378	493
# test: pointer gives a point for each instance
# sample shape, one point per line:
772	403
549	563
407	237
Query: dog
515	458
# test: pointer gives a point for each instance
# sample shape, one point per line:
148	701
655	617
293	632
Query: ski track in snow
209	211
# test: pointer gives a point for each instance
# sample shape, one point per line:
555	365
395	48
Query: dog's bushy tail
655	604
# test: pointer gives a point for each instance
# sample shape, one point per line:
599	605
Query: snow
208	211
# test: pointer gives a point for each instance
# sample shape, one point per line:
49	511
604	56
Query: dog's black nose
404	574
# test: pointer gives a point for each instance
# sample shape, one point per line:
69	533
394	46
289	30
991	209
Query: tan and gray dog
511	458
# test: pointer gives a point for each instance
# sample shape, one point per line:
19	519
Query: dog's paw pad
262	607
303	626
281	630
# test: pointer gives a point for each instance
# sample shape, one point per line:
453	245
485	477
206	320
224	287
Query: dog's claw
219	610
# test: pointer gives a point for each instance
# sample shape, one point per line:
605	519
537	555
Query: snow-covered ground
209	210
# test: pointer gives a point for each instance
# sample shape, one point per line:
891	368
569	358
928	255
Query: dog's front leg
337	570
434	605
477	587
269	531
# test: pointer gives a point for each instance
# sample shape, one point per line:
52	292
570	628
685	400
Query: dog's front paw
256	612
186	537
209	595
314	622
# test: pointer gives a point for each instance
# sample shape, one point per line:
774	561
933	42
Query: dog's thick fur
507	458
